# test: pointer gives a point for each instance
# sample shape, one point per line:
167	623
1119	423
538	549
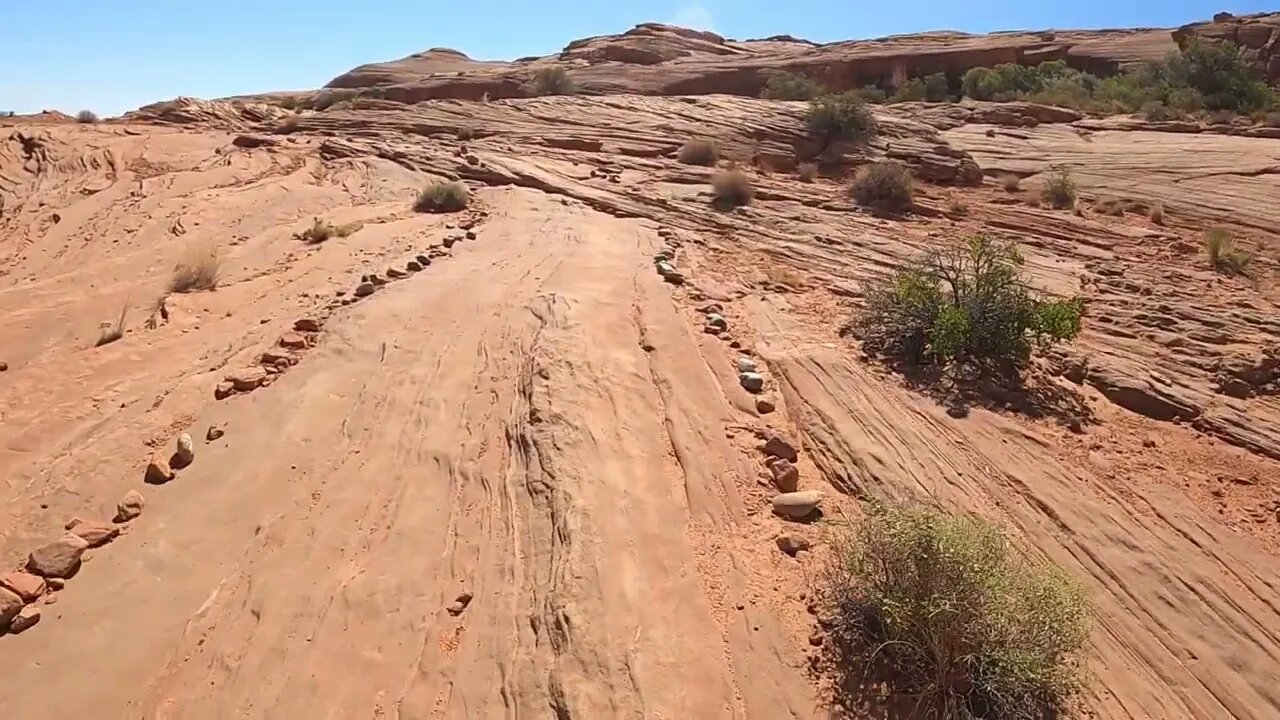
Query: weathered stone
276	357
130	506
223	390
10	605
764	406
459	604
471	235
396	273
60	558
95	533
26	617
364	289
55	584
785	475
247	379
797	505
23	584
3	366
746	364
413	266
377	281
751	382
792	544
158	470
449	240
293	341
185	453
779	446
717	320
306	325
423	260
213	433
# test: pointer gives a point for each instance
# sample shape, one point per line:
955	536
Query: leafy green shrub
552	81
699	151
1219	72
1059	190
731	188
930	88
1223	255
442	197
947	612
833	119
870	94
963	304
912	90
790	86
87	117
883	186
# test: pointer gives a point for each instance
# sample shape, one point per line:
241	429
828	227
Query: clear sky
116	55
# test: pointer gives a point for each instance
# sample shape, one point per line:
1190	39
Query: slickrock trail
519	477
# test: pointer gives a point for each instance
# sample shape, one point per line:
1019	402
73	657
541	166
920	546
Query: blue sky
115	55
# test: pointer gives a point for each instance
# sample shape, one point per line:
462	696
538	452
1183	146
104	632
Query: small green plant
1059	190
699	151
87	117
1223	255
807	172
790	86
883	186
950	615
198	270
443	197
911	91
731	188
552	81
1011	183
967	304
833	119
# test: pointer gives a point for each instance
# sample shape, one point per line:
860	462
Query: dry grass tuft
1156	213
198	270
956	207
442	197
780	275
113	332
552	81
1223	255
322	230
807	172
1011	183
883	186
87	117
1059	190
731	188
1114	207
699	151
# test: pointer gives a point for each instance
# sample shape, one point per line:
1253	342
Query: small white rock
746	364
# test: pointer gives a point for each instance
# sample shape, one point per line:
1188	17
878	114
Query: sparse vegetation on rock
1223	254
790	86
322	230
966	304
443	196
807	172
945	610
1156	213
883	186
111	332
1059	190
699	151
834	119
87	117
731	188
930	88
1011	183
553	81
198	270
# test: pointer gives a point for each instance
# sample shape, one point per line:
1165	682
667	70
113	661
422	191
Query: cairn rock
186	452
797	505
396	273
94	533
130	506
764	406
779	446
746	364
423	260
751	382
471	235
25	619
23	584
413	266
716	320
293	341
10	606
364	289
158	470
223	390
377	281
60	558
785	475
247	379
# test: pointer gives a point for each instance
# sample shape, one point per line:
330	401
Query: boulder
751	382
130	506
779	446
293	341
413	266
797	505
364	289
23	584
396	273
60	558
185	453
785	475
746	364
223	390
764	406
307	325
10	606
26	617
158	471
247	379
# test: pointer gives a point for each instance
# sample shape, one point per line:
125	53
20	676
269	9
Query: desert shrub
197	270
1221	74
552	81
1271	119
731	188
1156	213
833	119
1219	117
1110	206
443	196
870	94
699	151
465	133
911	91
949	615
1009	81
937	88
956	207
87	117
1157	111
322	230
1074	91
1222	253
966	303
883	186
1011	183
111	332
288	124
790	86
807	172
1059	190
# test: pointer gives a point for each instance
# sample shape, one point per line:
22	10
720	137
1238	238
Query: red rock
95	533
130	506
785	475
27	586
60	558
26	617
214	433
293	341
223	390
307	325
779	446
158	471
10	605
247	379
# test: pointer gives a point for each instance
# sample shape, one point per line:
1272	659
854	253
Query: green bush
870	94
911	91
699	151
930	88
1219	72
951	616
790	86
442	197
967	303
883	186
552	81
1059	190
833	119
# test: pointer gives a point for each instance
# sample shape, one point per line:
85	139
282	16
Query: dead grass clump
288	124
1059	190
731	188
956	207
780	275
883	186
948	616
198	270
1011	183
322	230
699	151
87	117
807	172
112	332
552	81
1110	206
443	197
1156	213
1223	255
